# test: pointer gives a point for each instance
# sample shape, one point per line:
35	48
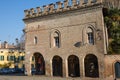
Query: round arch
73	66
117	69
57	66
39	64
91	66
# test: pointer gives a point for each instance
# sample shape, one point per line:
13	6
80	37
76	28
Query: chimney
0	44
5	44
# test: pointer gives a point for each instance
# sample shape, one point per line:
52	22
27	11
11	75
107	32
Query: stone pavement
8	77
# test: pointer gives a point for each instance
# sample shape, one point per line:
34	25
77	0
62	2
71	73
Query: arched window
56	39
35	40
90	35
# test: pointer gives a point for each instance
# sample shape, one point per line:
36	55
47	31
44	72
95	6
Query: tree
112	21
20	43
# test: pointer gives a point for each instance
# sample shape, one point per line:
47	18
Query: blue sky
11	15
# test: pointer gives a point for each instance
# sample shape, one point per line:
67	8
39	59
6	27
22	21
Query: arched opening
57	66
117	69
73	66
90	36
91	66
39	64
56	39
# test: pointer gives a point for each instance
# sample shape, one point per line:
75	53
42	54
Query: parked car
33	71
5	71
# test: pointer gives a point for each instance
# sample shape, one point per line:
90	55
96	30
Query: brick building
67	41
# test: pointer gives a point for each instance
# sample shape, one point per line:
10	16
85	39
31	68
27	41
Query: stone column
59	6
27	64
82	71
48	68
64	68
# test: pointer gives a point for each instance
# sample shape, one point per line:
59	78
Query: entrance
117	69
57	66
73	66
39	64
91	66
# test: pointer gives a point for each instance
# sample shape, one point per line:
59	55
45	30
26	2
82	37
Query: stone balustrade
59	7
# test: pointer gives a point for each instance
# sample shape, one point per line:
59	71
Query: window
22	57
56	39
10	58
35	40
1	58
90	36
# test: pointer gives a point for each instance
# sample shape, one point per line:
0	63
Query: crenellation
74	3
66	5
99	1
81	3
39	11
93	1
90	2
26	13
45	11
61	6
52	8
85	2
32	12
66	33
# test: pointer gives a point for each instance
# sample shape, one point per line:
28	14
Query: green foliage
112	21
